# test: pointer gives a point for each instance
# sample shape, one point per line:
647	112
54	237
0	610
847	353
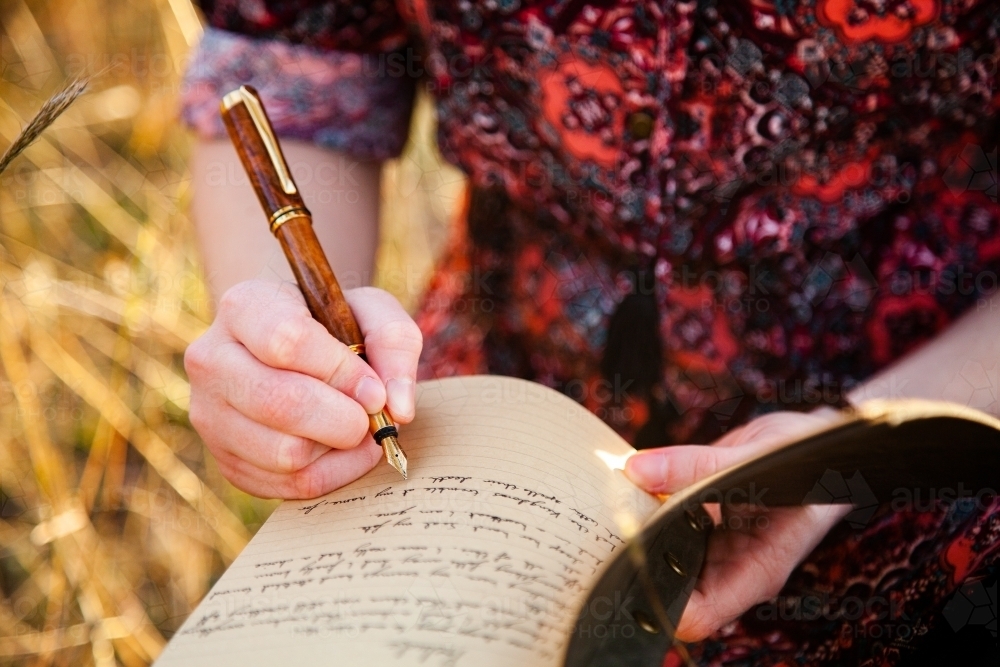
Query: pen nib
394	454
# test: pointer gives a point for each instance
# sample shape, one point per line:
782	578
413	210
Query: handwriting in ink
498	519
539	494
399	513
309	508
505	485
274	563
491	529
540	504
442	489
371	530
449	478
531	539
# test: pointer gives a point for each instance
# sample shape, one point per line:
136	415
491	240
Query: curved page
481	558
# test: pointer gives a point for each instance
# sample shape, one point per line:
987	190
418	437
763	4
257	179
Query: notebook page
480	559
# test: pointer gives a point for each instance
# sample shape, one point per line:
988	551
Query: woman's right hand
282	404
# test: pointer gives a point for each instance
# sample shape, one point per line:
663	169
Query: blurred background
114	521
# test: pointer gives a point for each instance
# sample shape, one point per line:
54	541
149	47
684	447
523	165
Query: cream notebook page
480	559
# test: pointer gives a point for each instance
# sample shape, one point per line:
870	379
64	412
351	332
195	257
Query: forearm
959	365
342	193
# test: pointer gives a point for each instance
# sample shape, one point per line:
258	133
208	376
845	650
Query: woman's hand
753	549
282	404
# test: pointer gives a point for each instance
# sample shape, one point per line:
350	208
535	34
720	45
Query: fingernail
370	394
399	395
647	469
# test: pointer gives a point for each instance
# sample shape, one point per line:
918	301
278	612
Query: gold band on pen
286	213
379	421
357	348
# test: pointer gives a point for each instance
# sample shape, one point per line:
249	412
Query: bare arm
960	365
280	402
236	245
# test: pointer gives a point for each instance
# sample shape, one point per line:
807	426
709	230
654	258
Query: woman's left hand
754	549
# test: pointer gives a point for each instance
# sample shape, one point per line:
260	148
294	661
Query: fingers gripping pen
291	222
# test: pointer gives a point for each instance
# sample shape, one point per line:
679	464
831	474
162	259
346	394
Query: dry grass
114	521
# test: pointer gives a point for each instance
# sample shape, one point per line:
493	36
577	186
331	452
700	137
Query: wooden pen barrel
316	280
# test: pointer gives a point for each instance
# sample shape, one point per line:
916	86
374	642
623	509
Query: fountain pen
290	221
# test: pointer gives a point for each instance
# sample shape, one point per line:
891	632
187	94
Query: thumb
671	469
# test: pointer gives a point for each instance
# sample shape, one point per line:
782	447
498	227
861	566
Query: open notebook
482	557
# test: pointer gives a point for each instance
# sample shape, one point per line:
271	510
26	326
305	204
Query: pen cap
258	149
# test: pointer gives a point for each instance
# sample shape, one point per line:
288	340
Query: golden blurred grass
114	521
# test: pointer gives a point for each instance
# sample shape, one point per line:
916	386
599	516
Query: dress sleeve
323	77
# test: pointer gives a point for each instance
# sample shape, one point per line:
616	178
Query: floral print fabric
791	193
324	97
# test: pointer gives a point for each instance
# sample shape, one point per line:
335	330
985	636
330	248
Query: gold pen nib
385	434
394	454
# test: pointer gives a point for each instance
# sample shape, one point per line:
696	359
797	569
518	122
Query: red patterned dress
685	214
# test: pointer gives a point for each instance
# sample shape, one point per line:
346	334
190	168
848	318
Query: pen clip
248	97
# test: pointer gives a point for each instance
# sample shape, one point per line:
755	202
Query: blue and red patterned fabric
791	194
